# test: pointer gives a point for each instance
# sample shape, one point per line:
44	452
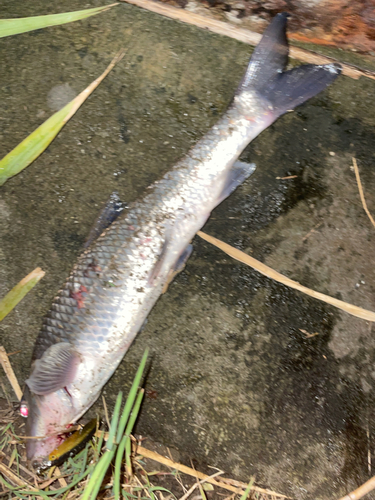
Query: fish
123	271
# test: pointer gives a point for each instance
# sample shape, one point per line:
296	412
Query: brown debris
243	35
10	373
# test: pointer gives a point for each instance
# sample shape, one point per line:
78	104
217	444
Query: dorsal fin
106	217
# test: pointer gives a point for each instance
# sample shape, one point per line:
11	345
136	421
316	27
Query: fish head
48	421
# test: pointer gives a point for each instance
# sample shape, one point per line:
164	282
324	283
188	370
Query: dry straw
280	278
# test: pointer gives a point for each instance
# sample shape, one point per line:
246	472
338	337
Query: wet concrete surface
235	380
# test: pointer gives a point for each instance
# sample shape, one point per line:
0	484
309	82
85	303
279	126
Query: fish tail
283	90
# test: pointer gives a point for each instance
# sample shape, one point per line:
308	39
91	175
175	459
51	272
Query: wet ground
235	380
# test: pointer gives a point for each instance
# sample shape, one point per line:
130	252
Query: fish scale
116	252
120	276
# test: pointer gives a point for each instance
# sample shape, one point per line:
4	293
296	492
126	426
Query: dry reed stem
60	478
197	484
24	469
280	278
189	492
4	360
361	491
360	189
246	36
13	478
80	99
222	483
106	413
52	480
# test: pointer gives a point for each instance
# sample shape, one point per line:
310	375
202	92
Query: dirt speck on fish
121	274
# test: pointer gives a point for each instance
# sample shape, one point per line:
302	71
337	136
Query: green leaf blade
17	293
10	27
34	144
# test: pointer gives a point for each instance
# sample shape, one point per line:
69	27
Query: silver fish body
118	279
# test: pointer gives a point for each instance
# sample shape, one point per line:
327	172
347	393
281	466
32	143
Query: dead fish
120	276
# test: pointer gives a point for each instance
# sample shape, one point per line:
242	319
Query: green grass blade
248	489
115	418
125	441
15	26
98	447
34	145
85	456
60	491
128	457
131	398
118	468
134	414
17	293
31	147
97	477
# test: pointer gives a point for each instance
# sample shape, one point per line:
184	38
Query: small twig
4	360
308	335
106	413
143	486
312	231
178	477
199	483
361	191
188	492
14	352
221	482
359	312
287	177
368	447
231	497
361	491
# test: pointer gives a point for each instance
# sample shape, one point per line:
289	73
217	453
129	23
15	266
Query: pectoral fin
55	370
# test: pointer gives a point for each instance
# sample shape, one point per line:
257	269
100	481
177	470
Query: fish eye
24	410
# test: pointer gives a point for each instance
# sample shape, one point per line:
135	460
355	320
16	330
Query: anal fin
239	172
156	271
55	370
178	267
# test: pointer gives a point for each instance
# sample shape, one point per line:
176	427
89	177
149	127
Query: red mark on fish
79	297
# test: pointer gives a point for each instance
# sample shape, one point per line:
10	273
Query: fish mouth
40	466
67	444
40	449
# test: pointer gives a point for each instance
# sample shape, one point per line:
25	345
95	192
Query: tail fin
284	90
